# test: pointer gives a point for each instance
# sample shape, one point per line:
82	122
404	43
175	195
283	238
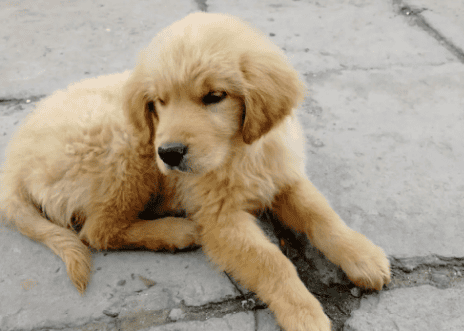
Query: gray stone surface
265	321
36	292
232	322
384	124
386	148
411	309
444	16
11	115
321	36
48	44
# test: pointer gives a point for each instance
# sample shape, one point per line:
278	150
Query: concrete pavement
384	121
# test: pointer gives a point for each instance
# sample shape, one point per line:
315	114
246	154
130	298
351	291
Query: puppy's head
205	86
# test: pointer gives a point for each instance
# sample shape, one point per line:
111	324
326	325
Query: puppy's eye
161	101
151	106
214	97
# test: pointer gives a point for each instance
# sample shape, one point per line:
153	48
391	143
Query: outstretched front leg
236	243
302	207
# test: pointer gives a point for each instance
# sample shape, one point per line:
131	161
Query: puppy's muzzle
174	156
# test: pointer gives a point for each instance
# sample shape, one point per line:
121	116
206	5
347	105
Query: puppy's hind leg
166	233
63	242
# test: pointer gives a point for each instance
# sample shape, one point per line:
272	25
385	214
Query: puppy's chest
217	195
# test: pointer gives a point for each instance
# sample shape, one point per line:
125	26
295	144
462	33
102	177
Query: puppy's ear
138	108
272	89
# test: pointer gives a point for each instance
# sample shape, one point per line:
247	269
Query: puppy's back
59	145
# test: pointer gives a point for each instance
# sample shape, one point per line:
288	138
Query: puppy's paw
184	233
305	319
296	309
366	264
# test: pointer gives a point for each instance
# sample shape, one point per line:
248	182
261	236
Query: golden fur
90	156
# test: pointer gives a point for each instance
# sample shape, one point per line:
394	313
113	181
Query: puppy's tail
64	242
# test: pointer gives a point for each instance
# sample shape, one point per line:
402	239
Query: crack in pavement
414	14
148	318
338	296
441	272
30	99
338	301
13	105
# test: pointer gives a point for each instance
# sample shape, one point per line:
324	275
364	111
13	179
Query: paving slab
48	44
411	309
385	146
35	291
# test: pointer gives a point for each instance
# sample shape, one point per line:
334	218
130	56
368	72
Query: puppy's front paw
296	309
305	319
366	264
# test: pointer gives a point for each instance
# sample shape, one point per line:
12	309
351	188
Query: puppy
205	124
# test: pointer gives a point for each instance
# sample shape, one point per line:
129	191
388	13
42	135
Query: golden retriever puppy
205	123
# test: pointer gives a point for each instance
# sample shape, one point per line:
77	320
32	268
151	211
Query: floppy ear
272	89
138	108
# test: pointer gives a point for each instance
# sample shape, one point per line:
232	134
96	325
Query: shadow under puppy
205	122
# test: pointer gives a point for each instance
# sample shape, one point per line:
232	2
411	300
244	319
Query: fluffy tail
64	242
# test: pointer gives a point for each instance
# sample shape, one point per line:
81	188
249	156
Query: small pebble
111	313
317	143
440	278
176	314
356	292
248	304
122	282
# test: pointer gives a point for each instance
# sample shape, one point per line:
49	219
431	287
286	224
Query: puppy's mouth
174	156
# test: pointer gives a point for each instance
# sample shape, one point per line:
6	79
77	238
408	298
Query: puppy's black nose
172	153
